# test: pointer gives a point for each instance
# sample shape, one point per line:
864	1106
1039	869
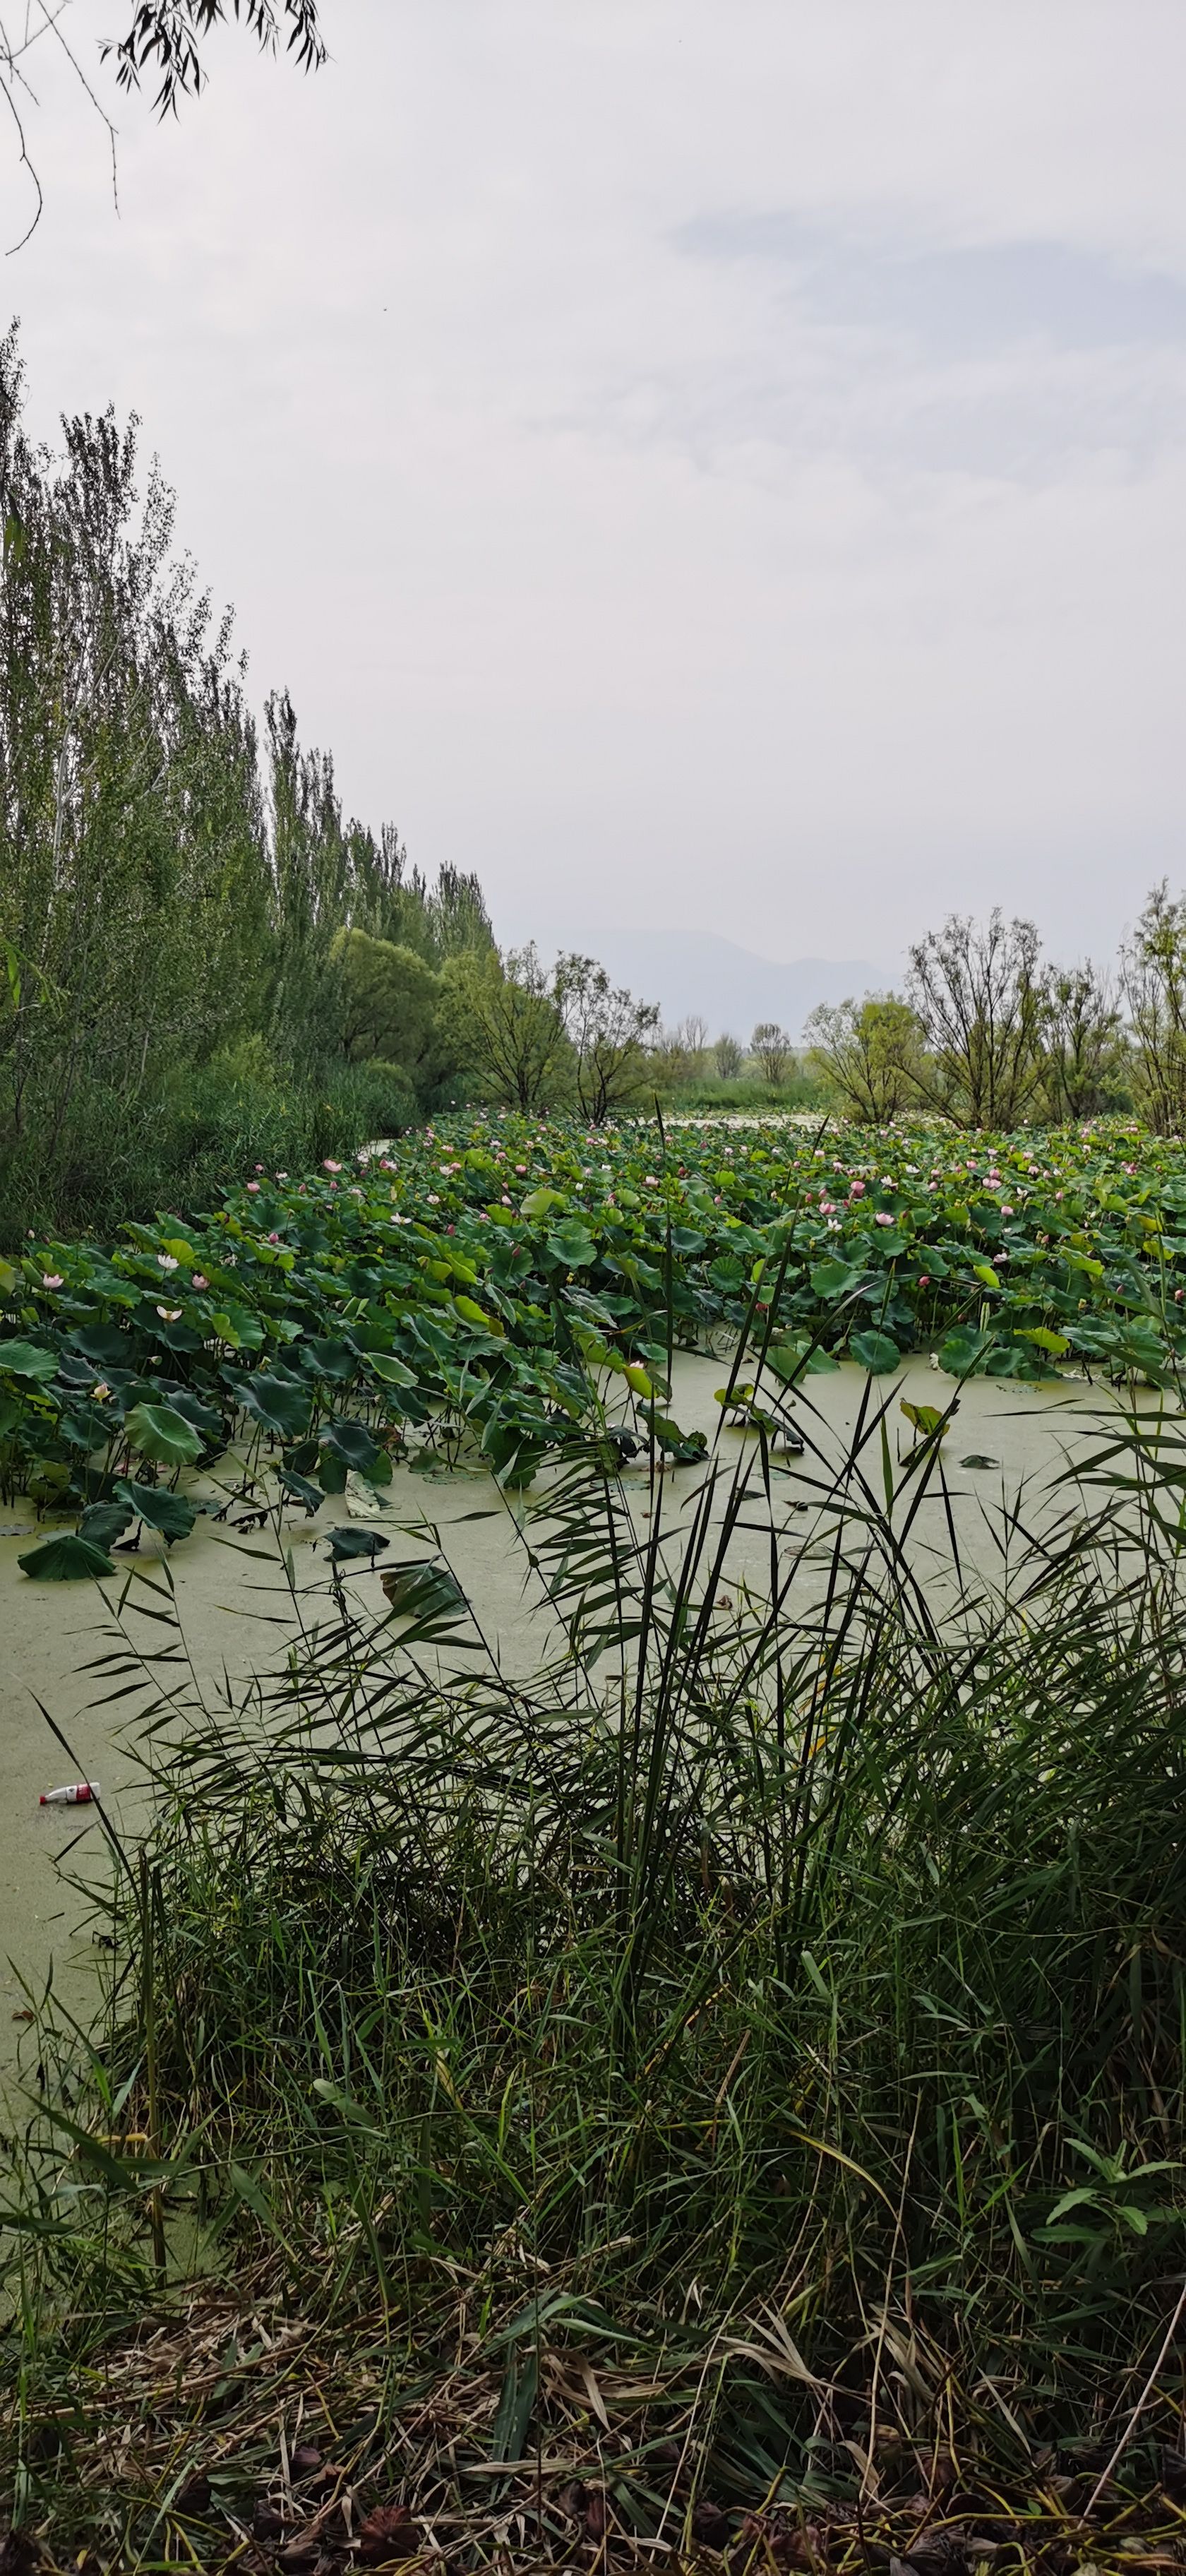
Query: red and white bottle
78	1793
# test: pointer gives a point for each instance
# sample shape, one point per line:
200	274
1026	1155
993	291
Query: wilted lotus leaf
927	1419
426	1592
356	1542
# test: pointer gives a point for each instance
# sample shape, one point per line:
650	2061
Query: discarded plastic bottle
79	1793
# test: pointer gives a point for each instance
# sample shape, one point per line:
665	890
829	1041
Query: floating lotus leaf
69	1558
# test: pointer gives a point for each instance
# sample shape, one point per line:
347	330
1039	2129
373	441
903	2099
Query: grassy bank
737	2072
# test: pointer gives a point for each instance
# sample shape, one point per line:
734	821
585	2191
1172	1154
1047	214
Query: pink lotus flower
252	1188
52	1279
882	1218
329	1164
199	1281
273	1238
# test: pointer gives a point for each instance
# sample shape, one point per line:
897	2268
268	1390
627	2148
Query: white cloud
719	464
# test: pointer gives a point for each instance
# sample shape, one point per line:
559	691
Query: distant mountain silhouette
692	970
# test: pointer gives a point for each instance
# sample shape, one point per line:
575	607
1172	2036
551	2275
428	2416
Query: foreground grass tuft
714	2094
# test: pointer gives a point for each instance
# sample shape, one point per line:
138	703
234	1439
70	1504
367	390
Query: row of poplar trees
181	897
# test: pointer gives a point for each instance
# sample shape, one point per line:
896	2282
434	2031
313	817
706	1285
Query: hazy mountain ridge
688	971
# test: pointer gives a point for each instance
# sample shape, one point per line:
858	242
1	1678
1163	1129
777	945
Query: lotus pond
488	1286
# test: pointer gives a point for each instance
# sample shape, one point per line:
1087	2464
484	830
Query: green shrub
113	1162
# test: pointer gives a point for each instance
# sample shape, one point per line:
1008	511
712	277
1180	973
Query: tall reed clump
782	1986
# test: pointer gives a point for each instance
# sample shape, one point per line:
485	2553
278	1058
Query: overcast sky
715	462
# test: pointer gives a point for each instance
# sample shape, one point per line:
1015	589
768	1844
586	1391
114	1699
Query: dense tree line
989	1036
191	933
204	964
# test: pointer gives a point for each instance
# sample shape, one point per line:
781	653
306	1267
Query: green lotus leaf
393	1372
351	1445
834	1279
66	1559
106	1346
27	1359
874	1351
156	1432
964	1350
330	1359
202	1417
1056	1343
103	1523
471	1313
573	1246
279	1404
171	1514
